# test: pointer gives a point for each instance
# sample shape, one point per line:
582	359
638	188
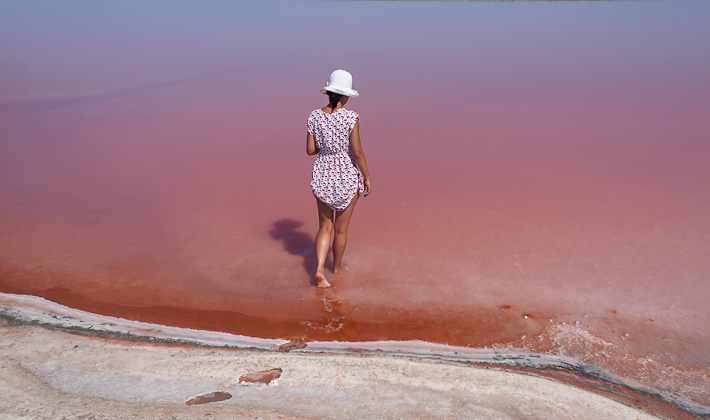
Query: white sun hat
341	82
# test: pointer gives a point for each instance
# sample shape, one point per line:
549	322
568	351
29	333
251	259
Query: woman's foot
321	280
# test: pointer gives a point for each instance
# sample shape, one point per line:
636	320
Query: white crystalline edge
35	309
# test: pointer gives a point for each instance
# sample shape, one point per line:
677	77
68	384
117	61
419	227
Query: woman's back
335	178
332	131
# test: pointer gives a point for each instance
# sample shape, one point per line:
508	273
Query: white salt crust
49	374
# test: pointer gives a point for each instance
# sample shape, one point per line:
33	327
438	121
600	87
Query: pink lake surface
540	172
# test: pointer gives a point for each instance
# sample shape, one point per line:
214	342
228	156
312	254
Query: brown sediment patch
291	345
209	398
261	377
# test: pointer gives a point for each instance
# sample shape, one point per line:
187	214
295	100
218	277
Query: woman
340	172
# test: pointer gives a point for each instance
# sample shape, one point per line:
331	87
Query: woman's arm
311	147
359	156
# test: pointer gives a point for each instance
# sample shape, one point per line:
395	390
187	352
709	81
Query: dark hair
334	99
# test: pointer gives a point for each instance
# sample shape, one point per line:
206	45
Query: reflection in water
331	306
332	309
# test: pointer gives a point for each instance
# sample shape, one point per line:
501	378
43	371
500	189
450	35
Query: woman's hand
368	187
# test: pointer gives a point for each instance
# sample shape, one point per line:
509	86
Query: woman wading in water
340	172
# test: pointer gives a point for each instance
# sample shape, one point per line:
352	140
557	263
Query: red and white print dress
336	178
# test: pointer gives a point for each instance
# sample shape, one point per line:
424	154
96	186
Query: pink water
540	172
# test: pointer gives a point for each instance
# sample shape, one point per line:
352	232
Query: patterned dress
336	178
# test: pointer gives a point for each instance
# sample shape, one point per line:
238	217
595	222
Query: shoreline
58	322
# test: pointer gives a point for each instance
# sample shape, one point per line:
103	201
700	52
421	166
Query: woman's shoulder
315	116
352	114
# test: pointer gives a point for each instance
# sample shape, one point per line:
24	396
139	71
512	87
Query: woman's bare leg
325	227
342	221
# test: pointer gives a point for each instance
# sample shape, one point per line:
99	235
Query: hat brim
340	91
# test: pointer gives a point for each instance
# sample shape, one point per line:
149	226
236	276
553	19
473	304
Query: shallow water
539	172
